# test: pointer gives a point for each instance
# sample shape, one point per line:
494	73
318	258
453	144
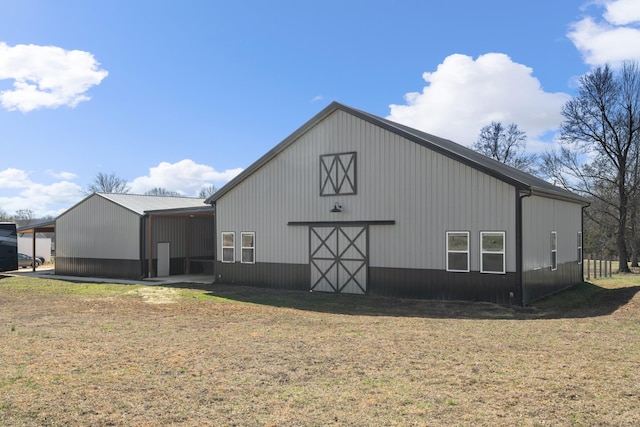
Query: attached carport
41	227
192	238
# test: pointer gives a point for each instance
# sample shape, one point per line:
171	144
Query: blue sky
184	94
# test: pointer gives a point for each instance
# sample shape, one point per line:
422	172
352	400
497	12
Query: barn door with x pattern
338	257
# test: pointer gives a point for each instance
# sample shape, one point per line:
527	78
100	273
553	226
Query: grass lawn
126	355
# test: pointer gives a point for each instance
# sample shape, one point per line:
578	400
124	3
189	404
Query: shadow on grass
580	301
586	300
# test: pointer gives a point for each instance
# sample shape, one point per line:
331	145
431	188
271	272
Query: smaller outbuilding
135	236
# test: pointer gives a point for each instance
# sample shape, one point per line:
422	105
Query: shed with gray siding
354	203
122	235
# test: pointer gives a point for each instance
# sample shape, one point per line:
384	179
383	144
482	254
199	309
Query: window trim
580	253
250	248
448	251
503	252
233	234
554	250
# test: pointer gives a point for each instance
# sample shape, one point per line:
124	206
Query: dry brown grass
101	355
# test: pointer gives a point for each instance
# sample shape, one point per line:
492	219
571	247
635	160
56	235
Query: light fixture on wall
337	207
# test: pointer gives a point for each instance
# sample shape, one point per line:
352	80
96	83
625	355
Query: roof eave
199	211
565	196
274	151
398	129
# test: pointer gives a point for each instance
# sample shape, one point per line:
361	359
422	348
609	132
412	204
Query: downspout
215	240
519	242
582	242
33	249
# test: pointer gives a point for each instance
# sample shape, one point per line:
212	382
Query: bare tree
158	191
5	217
600	137
506	145
23	217
108	183
207	191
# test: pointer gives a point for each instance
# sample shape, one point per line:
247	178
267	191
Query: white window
554	251
492	253
248	247
228	246
580	256
458	251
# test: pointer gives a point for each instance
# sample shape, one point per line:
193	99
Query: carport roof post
41	227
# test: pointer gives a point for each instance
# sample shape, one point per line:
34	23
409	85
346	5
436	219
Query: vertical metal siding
197	232
98	228
169	229
202	240
426	193
127	269
541	216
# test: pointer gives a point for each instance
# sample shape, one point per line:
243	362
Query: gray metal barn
135	236
354	203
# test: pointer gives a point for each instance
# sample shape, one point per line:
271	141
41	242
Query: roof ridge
519	179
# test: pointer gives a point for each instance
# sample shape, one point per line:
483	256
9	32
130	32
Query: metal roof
140	203
519	179
40	227
204	210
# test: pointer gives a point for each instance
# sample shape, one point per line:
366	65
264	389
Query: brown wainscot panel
443	285
270	275
542	282
95	267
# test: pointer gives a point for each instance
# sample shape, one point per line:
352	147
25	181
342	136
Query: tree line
23	217
598	158
102	183
113	184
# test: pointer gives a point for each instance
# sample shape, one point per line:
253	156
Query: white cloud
42	199
612	40
19	191
46	76
14	178
185	177
464	95
58	191
622	12
62	175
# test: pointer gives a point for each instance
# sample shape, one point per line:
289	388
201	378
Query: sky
185	94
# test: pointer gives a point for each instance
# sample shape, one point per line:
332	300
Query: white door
163	259
338	257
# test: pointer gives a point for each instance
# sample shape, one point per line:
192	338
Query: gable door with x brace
338	257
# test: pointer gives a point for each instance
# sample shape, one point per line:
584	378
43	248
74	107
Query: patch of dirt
156	294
